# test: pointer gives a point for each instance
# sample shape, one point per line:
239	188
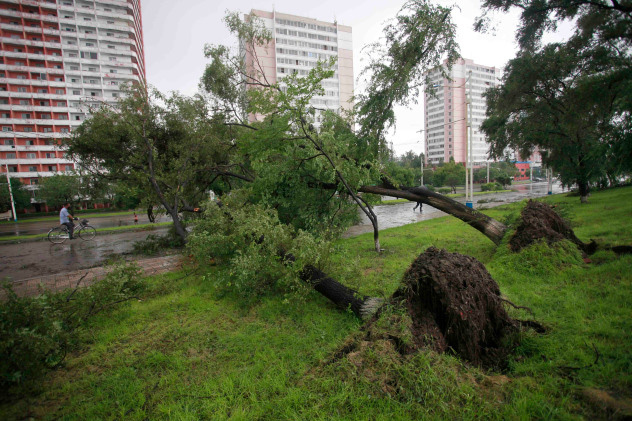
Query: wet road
389	216
37	258
30	259
28	228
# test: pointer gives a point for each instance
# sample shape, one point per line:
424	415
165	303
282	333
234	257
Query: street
37	258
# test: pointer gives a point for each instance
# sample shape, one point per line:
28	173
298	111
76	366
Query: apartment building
298	43
445	113
58	59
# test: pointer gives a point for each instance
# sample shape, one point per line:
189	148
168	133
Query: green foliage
450	174
491	187
155	244
570	100
21	196
37	332
419	39
504	170
59	189
253	244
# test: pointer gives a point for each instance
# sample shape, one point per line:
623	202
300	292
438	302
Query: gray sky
175	33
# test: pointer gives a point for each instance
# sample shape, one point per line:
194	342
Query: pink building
445	112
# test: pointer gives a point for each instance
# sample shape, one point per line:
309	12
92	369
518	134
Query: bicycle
57	235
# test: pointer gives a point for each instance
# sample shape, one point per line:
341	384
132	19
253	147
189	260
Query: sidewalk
61	281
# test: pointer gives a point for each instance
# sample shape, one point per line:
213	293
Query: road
30	259
37	258
390	216
26	228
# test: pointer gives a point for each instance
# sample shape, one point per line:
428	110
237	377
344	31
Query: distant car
537	179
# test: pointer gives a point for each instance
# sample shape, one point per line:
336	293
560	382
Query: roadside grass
189	352
22	219
100	231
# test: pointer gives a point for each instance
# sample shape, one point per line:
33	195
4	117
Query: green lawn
190	352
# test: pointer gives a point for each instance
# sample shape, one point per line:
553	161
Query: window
64	130
31	155
7	128
51	168
13	169
76	92
42	103
47	129
5	115
42	91
21	77
32	168
28	129
24	102
21	89
68	168
78	118
10	155
50	155
8	142
112	70
59	91
34	181
89	44
26	116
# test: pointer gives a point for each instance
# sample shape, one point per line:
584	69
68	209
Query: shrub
444	190
251	240
491	186
37	332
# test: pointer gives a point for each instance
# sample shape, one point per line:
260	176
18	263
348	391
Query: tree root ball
454	303
539	221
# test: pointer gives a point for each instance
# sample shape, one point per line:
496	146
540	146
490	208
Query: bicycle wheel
57	235
87	233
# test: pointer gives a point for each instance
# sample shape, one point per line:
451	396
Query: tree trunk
344	297
491	228
583	191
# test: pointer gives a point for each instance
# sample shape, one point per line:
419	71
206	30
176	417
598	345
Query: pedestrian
65	219
135	218
420	206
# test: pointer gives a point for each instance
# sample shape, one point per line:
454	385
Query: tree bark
583	191
491	228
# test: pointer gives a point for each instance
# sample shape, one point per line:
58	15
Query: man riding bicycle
65	218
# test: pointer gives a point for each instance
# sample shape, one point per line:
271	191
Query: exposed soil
454	303
539	221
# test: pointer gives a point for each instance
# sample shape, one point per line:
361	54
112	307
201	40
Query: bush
37	332
250	240
154	244
491	187
444	190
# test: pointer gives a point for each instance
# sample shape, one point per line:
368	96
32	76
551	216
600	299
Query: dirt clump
454	303
539	221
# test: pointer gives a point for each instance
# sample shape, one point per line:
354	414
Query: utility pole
469	196
15	215
487	172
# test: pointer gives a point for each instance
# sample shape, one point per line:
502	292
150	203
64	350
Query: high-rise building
58	58
445	113
298	43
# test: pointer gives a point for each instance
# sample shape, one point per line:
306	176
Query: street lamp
15	215
469	193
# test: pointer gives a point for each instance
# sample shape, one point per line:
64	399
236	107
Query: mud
455	304
539	221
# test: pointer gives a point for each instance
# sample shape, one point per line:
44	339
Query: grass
190	352
22	219
100	231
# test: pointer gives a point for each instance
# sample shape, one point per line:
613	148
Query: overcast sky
175	33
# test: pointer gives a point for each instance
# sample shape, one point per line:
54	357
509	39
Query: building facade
445	113
59	58
297	44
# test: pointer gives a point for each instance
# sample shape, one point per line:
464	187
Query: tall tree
21	196
59	189
581	89
564	104
169	145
